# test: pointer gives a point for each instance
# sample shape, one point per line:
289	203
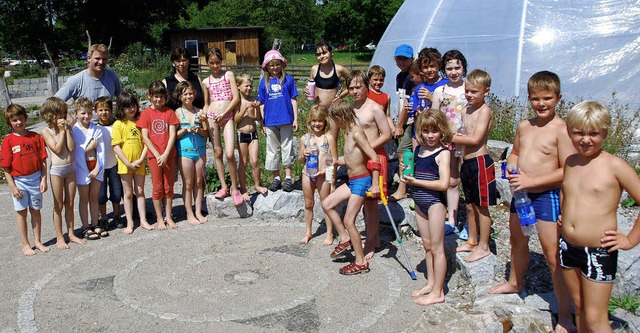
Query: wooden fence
297	71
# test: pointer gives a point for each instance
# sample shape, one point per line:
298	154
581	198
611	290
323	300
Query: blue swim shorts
359	185
545	204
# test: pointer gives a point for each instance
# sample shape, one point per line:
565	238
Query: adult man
95	81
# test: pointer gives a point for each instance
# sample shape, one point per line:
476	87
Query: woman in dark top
180	62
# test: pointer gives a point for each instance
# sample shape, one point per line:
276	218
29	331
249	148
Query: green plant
629	303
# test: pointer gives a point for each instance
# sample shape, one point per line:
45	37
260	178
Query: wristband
371	165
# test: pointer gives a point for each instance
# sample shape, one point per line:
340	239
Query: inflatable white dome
593	45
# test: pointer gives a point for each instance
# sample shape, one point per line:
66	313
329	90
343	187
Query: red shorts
91	164
384	166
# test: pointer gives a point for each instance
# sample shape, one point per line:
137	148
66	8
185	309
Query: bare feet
144	225
261	190
477	254
28	251
305	239
171	223
397	196
465	247
41	247
61	244
201	218
370	251
160	225
328	240
128	231
74	239
422	291
430	298
565	325
504	288
246	196
193	220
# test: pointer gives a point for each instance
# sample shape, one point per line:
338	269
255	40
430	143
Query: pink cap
273	55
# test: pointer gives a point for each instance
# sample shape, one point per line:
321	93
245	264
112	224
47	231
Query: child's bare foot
369	251
422	291
504	288
145	225
328	240
305	239
41	247
261	190
172	224
430	298
193	220
61	244
201	218
466	247
565	325
128	231
73	238
246	197
160	225
28	251
477	254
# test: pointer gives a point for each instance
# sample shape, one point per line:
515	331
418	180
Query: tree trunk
5	99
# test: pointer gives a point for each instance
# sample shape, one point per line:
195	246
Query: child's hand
17	193
520	181
255	104
43	185
62	124
408	106
399	132
133	166
306	152
295	125
375	190
92	145
408	179
93	173
615	240
425	93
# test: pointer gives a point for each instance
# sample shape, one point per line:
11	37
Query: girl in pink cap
277	97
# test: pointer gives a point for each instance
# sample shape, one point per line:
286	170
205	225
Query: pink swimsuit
220	91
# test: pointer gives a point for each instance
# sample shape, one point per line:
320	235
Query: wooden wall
246	40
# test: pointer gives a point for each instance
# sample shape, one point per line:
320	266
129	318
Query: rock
502	186
497	149
628	276
280	205
226	208
478	272
622	318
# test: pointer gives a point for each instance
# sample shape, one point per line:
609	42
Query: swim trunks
595	263
359	185
247	137
478	177
426	168
545	204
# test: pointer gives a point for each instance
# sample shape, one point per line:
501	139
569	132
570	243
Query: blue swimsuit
426	168
190	145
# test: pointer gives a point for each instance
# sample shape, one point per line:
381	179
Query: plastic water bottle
460	148
312	158
407	161
329	169
526	214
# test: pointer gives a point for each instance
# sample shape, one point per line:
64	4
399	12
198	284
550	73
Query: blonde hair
543	81
589	116
433	119
318	112
82	103
51	108
101	48
478	77
267	75
244	77
343	112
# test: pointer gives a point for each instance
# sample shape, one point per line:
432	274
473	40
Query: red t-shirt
380	98
23	154
158	122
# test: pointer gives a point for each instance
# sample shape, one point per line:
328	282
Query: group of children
445	123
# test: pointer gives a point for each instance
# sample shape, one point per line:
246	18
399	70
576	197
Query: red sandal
340	249
353	269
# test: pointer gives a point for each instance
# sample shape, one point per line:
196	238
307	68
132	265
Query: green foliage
629	303
141	66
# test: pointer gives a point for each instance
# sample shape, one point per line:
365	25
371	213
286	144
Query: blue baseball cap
404	50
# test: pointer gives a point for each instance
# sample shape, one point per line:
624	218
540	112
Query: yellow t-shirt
126	135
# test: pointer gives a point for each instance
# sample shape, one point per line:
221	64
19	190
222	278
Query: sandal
340	249
100	231
89	234
221	194
237	198
353	269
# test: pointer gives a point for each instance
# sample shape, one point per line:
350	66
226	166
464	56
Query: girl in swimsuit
430	182
450	99
317	123
59	139
192	139
220	101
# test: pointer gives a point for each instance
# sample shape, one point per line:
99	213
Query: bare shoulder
314	71
342	71
373	106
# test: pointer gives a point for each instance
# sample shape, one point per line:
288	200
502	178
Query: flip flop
221	194
237	198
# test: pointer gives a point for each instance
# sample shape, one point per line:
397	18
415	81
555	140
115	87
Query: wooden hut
239	45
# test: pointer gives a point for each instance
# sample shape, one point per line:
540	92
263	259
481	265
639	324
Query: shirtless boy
477	172
589	237
373	121
363	166
540	148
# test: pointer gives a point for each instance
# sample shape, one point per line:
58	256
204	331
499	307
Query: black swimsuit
327	83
